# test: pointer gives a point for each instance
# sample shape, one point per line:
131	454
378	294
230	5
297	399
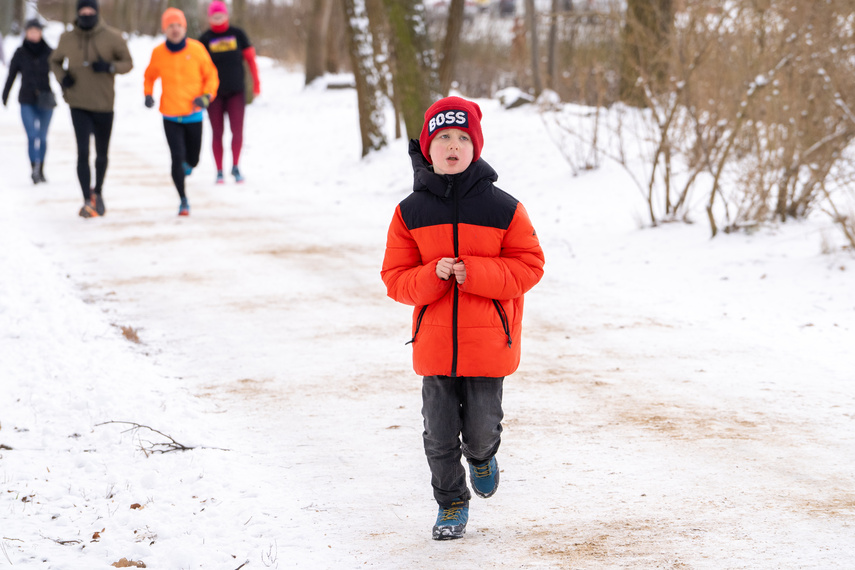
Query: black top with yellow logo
226	49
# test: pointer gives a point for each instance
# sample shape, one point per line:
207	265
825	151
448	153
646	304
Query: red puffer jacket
472	329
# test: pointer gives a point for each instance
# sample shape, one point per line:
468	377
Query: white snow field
683	402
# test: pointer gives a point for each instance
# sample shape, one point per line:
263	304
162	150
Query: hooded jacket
31	61
74	55
472	329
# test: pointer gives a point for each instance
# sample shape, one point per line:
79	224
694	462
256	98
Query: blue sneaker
484	477
236	173
451	521
184	208
188	170
220	179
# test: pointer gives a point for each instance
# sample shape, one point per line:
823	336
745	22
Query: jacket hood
477	177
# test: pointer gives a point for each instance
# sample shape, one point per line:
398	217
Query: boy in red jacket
463	253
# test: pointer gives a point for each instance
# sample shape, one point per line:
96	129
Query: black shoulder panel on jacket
422	209
491	208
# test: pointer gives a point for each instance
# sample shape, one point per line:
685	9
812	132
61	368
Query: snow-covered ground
682	402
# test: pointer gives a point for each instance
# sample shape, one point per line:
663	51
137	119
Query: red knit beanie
452	113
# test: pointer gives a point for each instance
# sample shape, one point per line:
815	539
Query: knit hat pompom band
452	113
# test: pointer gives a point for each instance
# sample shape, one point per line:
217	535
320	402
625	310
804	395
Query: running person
229	47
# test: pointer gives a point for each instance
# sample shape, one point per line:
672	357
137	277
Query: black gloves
102	66
202	102
149	101
68	81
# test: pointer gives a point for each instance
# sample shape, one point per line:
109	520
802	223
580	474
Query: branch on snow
149	447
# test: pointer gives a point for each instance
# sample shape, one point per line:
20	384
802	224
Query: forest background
744	107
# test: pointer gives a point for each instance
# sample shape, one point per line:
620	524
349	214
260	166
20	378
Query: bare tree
239	12
191	13
12	16
531	19
646	40
451	45
336	33
385	62
552	46
415	79
316	45
368	91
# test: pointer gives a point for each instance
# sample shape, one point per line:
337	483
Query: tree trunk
316	45
7	15
12	17
238	15
531	18
191	13
552	47
336	31
646	36
383	59
416	82
368	93
451	45
124	10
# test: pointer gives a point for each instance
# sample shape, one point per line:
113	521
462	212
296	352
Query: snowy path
681	404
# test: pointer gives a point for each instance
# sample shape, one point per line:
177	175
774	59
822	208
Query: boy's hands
448	266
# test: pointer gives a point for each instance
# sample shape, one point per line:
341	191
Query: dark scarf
86	23
36	48
175	48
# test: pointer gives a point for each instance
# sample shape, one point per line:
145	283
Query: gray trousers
470	407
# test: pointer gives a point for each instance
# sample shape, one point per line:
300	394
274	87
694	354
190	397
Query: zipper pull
448	189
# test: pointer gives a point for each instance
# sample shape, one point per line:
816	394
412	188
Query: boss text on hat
448	119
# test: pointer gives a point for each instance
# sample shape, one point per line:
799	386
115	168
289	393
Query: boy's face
451	151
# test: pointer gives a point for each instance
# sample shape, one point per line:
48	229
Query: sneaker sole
87	212
451	532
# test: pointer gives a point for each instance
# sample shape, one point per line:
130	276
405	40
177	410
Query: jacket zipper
456	290
503	316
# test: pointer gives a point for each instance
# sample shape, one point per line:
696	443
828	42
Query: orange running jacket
184	75
472	329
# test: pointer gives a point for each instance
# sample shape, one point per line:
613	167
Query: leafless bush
755	114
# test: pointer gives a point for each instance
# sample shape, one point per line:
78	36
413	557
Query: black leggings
185	144
87	123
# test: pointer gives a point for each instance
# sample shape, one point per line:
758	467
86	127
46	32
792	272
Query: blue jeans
36	122
451	407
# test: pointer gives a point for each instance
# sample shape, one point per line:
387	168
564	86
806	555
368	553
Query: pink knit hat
217	6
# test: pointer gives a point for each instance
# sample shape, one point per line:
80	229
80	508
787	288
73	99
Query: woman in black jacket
35	96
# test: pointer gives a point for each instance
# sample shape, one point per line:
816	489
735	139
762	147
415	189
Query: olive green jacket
74	55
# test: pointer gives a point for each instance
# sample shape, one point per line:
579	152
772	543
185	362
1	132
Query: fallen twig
161	447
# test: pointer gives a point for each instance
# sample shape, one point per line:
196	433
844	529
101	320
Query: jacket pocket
418	325
503	316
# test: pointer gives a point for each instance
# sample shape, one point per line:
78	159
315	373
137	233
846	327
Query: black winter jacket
31	61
